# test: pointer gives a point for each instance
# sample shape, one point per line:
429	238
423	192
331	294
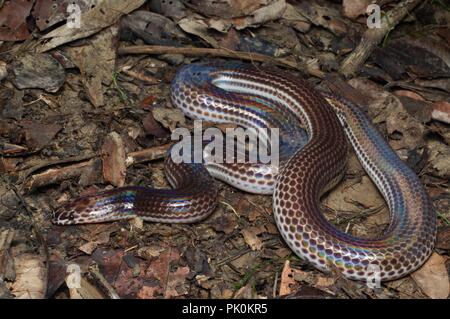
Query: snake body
310	165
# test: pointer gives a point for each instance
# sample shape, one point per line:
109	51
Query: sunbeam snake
311	165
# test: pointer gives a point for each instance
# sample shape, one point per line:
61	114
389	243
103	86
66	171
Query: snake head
195	74
104	206
74	212
203	74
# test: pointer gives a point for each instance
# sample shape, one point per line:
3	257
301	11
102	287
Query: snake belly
310	166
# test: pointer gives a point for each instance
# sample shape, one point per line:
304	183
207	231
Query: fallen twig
36	230
101	282
224	53
57	175
372	37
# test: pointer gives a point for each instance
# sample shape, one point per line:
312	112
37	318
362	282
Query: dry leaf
31	278
13	22
96	61
322	14
199	28
228	8
432	277
262	15
176	283
251	237
169	118
88	248
410	94
106	13
287	279
294	18
354	8
441	111
38	135
443	238
153	28
159	268
38	71
113	155
49	12
245	292
351	196
148	292
152	127
384	107
150	251
439	155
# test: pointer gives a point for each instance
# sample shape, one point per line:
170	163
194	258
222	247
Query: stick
373	37
57	175
224	53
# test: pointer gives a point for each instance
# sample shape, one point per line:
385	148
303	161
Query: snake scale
310	165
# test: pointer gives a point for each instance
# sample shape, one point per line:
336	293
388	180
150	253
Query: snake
315	130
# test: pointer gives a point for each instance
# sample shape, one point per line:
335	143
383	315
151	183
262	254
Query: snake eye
71	216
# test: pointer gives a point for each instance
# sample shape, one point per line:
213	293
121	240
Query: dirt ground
86	107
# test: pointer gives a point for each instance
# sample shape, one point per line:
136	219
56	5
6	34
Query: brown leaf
270	12
149	252
295	19
351	196
176	283
443	238
148	292
9	164
322	14
106	13
226	9
438	161
410	94
287	279
38	71
38	135
49	12
153	28
198	27
224	223
354	8
384	107
441	111
171	9
96	235
96	61
246	292
251	237
432	277
152	127
159	268
169	118
113	155
171	282
109	262
30	277
13	22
